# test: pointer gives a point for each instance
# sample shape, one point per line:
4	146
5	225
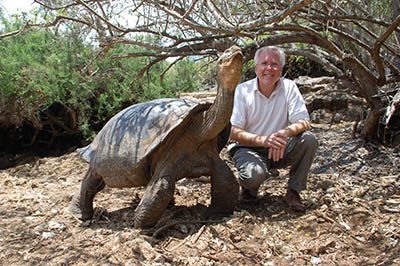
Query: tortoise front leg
224	189
82	203
158	194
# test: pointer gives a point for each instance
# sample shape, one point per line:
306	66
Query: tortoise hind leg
158	194
82	203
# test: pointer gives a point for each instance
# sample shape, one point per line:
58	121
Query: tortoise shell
120	151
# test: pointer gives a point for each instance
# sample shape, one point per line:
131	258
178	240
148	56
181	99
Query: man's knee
251	176
252	171
309	141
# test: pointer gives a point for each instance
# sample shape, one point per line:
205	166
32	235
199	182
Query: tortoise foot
76	210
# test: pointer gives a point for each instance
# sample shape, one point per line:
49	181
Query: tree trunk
370	129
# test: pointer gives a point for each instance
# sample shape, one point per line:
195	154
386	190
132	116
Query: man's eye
272	65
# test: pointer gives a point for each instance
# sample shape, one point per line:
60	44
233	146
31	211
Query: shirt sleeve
297	109
238	117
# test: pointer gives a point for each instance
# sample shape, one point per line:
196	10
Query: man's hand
276	143
275	154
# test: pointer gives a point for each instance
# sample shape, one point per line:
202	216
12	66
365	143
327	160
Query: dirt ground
352	218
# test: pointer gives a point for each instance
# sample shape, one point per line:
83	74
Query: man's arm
296	128
249	139
276	142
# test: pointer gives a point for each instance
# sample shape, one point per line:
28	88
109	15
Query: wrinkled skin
189	150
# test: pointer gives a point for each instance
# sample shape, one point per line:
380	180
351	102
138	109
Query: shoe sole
296	208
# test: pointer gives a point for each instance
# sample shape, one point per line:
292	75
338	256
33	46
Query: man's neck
265	89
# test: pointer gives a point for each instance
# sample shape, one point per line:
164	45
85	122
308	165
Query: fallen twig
209	256
177	246
202	229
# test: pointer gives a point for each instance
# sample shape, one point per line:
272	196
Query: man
269	124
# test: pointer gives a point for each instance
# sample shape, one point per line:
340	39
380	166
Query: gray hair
281	53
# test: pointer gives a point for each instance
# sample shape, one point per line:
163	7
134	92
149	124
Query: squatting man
269	126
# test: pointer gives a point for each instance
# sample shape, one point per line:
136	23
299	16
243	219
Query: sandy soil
352	217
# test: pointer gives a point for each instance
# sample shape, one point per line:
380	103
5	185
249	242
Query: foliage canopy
49	80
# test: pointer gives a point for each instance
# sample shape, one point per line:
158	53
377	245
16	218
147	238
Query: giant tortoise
157	143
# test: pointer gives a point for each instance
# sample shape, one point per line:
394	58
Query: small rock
331	190
325	184
56	225
46	235
336	118
316	260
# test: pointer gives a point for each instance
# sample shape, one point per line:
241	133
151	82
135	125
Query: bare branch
99	16
149	65
221	14
55	8
169	67
190	9
317	38
17	32
377	47
276	18
141	44
57	20
104	15
164	56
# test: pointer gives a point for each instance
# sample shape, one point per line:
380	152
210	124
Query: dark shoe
293	200
246	196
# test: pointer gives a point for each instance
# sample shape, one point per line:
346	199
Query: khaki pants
254	166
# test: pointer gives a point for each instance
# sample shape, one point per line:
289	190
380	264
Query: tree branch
99	16
221	14
189	10
276	18
377	47
169	67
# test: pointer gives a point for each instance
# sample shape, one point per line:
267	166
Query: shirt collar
255	86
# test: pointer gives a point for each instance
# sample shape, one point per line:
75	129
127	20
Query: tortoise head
229	68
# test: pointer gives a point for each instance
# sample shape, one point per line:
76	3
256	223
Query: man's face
269	68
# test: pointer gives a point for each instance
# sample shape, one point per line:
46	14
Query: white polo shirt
257	114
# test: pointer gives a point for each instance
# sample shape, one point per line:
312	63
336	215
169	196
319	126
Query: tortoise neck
217	116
